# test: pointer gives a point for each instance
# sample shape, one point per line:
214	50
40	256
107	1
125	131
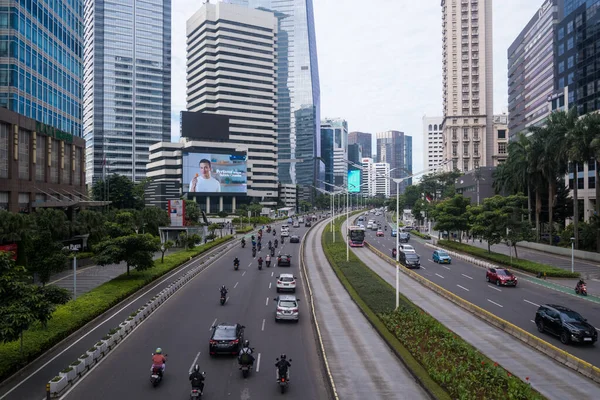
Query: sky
380	61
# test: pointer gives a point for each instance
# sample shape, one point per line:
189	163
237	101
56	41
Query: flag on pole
428	198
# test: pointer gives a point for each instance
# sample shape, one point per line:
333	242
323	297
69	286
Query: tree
164	248
90	223
120	192
52	221
153	218
45	256
212	228
222	214
192	213
451	215
420	207
135	250
305	206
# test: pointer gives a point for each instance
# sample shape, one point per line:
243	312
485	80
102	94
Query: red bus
356	236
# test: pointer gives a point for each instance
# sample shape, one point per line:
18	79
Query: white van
285	230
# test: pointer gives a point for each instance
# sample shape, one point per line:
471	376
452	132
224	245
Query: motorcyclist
268	259
254	252
274	232
253	243
243	242
283	366
580	283
245	357
270	244
197	379
253	238
273	251
223	291
259	246
236	262
276	242
394	252
260	261
158	360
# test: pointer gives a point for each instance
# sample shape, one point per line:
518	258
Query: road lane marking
443	266
267	302
495	288
423	267
493	302
440	276
258	363
244	273
272	273
234	286
263	325
269	285
532	321
466	276
227	299
531	302
213	324
462	287
194	362
431	260
249	265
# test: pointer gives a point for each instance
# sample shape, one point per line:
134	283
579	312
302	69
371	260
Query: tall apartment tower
433	143
364	139
334	145
232	70
41	69
127	85
395	148
467	83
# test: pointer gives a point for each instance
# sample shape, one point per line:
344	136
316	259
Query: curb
563	357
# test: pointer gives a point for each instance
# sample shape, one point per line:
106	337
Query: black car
410	260
294	239
284	260
307	224
226	339
403	237
565	323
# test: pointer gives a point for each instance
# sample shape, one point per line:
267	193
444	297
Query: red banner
10	248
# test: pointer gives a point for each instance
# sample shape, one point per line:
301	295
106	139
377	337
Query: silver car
286	282
287	308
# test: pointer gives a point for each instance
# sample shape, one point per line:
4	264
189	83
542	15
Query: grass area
446	365
421	235
69	317
244	229
524	265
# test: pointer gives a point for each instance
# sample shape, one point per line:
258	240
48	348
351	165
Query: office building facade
433	143
232	70
354	154
41	48
364	140
381	183
531	69
395	148
368	177
334	145
467	83
127	85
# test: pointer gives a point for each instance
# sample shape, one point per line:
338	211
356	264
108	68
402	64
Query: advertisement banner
354	181
177	212
10	248
214	174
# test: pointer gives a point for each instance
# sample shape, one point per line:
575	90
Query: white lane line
234	286
532	321
263	325
272	273
244	273
194	362
213	324
462	287
267	302
495	288
258	363
270	285
423	267
431	260
249	265
466	276
443	266
440	276
227	299
493	302
531	302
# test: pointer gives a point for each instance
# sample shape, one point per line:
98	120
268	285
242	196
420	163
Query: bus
356	236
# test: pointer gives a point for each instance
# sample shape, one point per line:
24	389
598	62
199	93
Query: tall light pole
342	190
572	253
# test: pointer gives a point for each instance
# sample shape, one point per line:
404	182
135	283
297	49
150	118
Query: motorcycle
254	252
260	265
243	244
196	393
245	370
282	380
223	299
272	251
259	246
274	233
236	265
581	289
268	263
157	374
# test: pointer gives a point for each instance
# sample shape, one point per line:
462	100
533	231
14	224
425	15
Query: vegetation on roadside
244	229
447	365
524	265
69	317
421	235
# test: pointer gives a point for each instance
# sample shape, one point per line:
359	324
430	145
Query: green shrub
524	265
71	316
56	379
244	229
421	235
67	370
453	364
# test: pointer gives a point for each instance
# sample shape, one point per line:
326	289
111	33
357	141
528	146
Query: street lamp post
572	253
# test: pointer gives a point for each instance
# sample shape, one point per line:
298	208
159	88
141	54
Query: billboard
354	181
215	174
205	126
177	212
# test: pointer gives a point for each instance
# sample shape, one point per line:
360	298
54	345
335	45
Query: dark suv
565	323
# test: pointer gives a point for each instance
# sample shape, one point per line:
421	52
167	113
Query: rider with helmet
158	360
223	291
197	379
245	357
283	366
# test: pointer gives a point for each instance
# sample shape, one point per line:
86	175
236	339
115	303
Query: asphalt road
514	304
182	327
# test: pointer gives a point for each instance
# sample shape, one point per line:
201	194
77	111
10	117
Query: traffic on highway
194	328
514	298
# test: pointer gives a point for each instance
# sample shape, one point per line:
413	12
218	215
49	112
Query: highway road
182	327
514	304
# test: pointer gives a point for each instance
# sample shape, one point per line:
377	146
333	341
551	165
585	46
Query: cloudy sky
379	61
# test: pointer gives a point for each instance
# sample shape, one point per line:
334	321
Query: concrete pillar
220	203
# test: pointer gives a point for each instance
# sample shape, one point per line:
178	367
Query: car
307	223
301	220
565	323
379	233
407	248
226	339
410	260
403	237
500	276
285	233
441	257
287	308
284	260
286	282
369	225
294	239
394	233
296	225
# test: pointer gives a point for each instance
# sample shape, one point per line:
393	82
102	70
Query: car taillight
279	309
282	379
293	282
279	282
213	341
294	310
236	341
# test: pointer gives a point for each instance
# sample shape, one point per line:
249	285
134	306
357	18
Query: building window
561	67
592	182
4	150
561	33
501	133
570	43
40	158
454	150
454	165
570	62
580	183
465	165
475	149
476	133
475	163
24	138
561	83
465	149
466	133
570	27
501	148
561	49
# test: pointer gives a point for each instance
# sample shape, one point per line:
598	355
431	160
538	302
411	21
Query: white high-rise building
382	184
367	177
232	70
433	142
126	84
467	83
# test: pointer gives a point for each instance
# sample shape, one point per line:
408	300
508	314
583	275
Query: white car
287	308
286	282
301	220
296	224
407	248
285	233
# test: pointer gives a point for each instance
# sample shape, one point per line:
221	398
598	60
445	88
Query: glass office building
127	84
41	49
298	93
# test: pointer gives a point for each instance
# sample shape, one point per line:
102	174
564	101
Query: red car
379	233
501	277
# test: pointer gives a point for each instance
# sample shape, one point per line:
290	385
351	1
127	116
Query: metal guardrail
563	357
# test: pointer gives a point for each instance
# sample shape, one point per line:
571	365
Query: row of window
67	11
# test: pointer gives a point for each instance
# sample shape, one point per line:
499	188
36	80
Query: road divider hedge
447	366
421	235
523	265
69	317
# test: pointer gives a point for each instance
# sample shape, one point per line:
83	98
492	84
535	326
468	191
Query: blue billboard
354	181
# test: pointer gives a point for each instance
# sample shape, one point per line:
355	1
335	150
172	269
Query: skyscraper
467	83
433	142
334	144
127	84
395	148
298	92
41	73
364	139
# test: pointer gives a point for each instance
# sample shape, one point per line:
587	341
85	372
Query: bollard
48	394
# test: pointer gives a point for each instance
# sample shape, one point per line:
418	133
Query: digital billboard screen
215	174
354	181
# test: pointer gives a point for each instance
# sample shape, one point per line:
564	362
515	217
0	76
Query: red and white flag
428	198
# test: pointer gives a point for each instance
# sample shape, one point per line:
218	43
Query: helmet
158	350
223	287
196	368
283	356
246	343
